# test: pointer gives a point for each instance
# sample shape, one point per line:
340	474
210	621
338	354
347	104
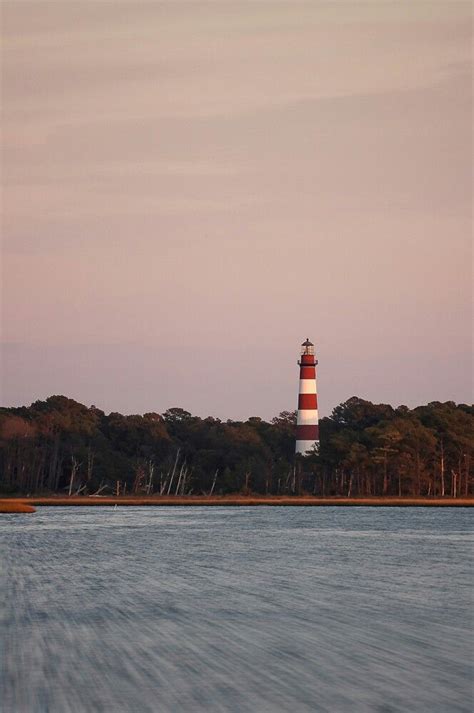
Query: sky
190	189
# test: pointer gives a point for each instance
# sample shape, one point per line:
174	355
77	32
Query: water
236	609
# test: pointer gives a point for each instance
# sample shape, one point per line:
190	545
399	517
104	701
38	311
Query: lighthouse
307	424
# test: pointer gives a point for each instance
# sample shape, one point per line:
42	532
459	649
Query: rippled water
236	609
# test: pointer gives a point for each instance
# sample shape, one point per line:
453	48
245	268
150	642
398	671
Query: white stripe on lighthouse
307	386
307	417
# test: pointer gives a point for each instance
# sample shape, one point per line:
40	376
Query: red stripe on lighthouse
308	401
307	433
307	372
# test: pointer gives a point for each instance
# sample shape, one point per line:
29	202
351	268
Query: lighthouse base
304	447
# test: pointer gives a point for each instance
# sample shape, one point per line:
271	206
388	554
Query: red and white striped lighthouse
307	424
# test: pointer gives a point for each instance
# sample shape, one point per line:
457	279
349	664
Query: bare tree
174	470
164	483
151	468
214	482
247	482
74	469
102	487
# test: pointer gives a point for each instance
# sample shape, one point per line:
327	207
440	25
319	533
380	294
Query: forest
61	446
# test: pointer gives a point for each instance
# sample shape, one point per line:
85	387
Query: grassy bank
9	506
237	500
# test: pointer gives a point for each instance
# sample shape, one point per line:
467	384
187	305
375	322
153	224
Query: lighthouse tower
307	428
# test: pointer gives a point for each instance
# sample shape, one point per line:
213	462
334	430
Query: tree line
61	446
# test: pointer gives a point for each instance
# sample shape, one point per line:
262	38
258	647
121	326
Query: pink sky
190	189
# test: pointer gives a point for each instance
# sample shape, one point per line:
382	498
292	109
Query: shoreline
233	501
